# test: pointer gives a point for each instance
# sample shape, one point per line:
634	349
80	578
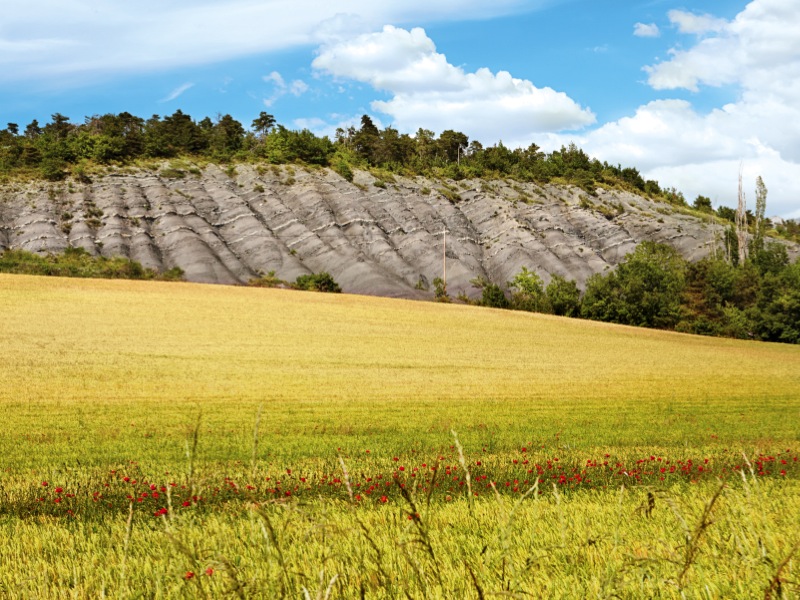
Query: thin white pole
444	258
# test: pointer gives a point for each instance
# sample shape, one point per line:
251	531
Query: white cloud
687	22
68	41
178	91
668	140
646	30
275	78
427	91
298	87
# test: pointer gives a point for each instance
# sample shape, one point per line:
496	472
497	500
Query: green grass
219	400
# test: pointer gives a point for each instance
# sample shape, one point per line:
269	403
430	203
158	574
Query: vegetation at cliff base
77	262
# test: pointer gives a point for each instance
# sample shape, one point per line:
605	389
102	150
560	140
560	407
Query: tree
761	207
32	130
440	290
645	290
778	315
367	139
529	294
59	127
491	294
451	144
285	145
563	296
263	123
116	137
703	203
652	188
741	223
226	137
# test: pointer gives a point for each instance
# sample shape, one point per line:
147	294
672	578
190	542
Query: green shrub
343	169
171	173
317	282
450	195
269	281
76	262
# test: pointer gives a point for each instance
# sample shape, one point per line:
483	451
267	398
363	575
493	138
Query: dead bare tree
741	223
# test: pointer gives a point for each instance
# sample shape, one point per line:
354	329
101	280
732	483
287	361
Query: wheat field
179	440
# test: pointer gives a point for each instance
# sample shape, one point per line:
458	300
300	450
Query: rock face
228	226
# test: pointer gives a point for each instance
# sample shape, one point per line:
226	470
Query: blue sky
685	93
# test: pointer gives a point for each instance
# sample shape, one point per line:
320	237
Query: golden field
196	384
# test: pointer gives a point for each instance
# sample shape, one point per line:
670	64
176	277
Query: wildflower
209	571
58	490
45	484
189	575
384	499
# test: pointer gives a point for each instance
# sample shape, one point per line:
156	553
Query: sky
688	94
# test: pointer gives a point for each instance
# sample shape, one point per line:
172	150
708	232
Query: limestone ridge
384	241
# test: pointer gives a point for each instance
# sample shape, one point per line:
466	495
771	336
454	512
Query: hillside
375	237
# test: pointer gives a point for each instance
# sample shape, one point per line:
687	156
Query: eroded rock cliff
228	226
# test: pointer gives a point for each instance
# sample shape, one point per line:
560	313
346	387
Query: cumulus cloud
427	91
758	52
298	87
82	39
646	30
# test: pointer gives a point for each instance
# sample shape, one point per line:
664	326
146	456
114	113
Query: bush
76	262
269	281
343	169
317	282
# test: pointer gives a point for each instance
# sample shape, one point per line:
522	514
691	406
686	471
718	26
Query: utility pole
444	259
